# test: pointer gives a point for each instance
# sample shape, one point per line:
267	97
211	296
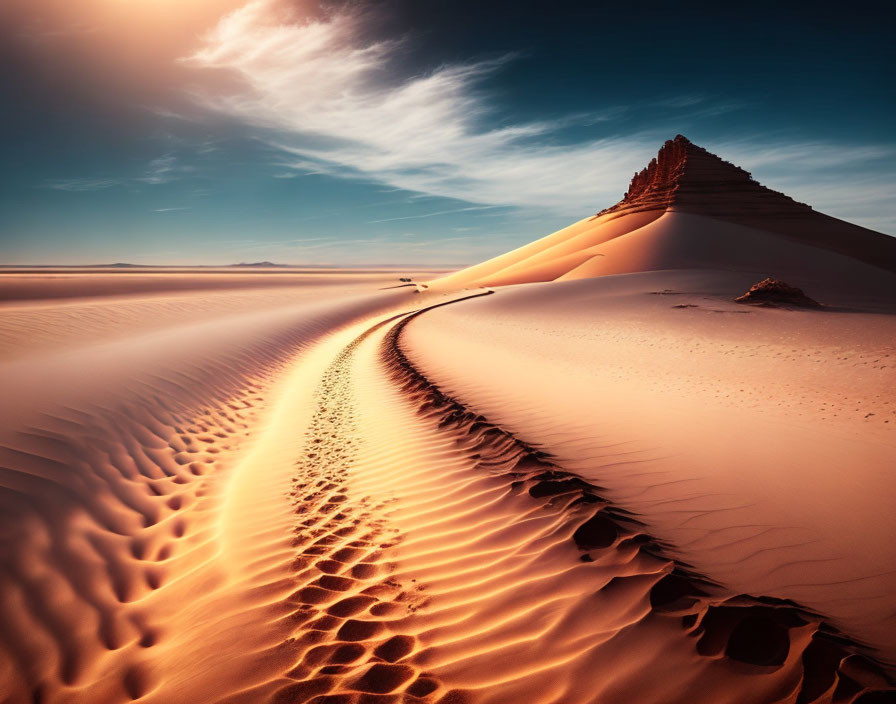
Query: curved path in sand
360	537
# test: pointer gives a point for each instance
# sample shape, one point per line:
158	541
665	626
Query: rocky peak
686	177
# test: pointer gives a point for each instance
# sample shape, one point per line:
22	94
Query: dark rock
774	291
691	179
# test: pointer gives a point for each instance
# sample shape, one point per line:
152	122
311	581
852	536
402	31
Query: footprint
382	679
353	630
395	648
351	606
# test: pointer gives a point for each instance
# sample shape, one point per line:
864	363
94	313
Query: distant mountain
690	209
258	265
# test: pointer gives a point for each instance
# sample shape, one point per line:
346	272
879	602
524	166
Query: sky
418	132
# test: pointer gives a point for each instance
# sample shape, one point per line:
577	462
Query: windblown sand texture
329	487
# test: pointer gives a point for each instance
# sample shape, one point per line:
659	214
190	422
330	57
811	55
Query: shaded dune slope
282	506
688	208
109	483
680	240
801	657
439	555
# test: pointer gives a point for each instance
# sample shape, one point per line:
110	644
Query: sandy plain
328	487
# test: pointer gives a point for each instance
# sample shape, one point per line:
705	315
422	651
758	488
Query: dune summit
689	208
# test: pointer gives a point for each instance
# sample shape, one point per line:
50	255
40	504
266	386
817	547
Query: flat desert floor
326	486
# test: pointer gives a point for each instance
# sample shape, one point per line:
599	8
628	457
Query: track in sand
379	542
441	559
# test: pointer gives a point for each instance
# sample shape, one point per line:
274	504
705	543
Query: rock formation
690	209
688	178
774	291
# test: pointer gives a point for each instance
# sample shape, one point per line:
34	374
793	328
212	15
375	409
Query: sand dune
672	239
281	505
620	486
748	439
678	240
114	459
690	209
22	284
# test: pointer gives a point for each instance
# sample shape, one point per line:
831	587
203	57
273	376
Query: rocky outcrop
688	178
771	292
702	195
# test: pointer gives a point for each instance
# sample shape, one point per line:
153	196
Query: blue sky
400	132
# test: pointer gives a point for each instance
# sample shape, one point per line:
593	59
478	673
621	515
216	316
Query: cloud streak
330	100
436	213
159	171
81	185
319	84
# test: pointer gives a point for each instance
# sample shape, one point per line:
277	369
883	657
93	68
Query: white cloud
799	156
336	107
161	170
319	83
852	182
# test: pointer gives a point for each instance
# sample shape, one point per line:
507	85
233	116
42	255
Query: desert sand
580	472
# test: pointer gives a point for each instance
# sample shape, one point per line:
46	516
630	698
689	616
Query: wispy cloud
330	99
436	213
39	30
164	169
327	93
800	156
81	184
685	100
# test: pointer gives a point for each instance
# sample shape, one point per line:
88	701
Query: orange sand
317	488
759	442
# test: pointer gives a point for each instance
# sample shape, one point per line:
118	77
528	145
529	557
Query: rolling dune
299	494
114	459
747	439
748	450
247	486
690	209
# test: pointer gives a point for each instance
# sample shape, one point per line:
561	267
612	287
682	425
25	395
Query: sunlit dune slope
615	489
758	441
688	209
126	565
